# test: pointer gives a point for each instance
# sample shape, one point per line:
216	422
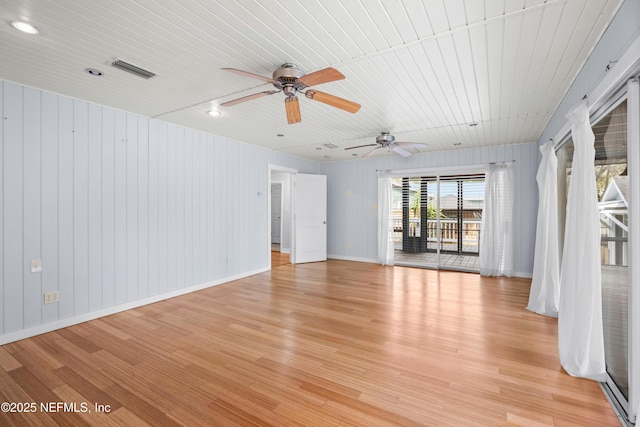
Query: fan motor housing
286	76
385	139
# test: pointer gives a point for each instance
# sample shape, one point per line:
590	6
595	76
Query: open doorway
280	215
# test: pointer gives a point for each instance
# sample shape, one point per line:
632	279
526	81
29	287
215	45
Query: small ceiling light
214	113
94	72
457	143
24	27
473	124
280	135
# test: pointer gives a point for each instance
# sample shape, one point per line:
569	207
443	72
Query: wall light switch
36	265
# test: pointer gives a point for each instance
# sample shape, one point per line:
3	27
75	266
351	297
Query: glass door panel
612	183
437	221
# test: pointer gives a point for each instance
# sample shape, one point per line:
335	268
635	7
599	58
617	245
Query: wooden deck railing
449	231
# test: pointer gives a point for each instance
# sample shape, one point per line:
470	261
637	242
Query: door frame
271	169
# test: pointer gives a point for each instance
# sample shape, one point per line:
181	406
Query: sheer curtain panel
496	235
580	332
385	219
544	295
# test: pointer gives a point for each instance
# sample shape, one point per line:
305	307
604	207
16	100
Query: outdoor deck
447	260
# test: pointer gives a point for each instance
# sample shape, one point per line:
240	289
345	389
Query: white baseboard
524	275
70	321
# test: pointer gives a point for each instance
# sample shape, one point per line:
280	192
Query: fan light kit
385	139
24	27
290	80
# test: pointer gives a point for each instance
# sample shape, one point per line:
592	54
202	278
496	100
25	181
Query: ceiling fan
385	139
290	80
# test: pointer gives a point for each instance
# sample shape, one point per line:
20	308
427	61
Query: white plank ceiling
423	69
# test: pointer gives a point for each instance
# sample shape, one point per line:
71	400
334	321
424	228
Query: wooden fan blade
321	76
292	106
360	146
401	151
370	153
332	100
248	74
248	98
411	144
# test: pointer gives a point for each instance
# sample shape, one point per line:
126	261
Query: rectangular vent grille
132	69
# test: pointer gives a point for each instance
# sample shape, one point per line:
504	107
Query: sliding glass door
437	220
612	182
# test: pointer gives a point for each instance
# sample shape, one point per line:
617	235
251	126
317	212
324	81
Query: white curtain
633	136
544	295
496	232
580	332
385	218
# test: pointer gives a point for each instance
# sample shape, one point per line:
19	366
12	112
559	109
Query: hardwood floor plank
335	343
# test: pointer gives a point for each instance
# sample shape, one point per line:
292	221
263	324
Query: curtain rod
474	167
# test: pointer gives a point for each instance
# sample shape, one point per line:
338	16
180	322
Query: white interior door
276	212
310	218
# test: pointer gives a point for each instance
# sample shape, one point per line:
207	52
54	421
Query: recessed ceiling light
24	27
214	113
281	135
94	72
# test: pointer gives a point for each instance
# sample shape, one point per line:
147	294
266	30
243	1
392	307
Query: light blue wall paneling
94	206
143	218
32	215
65	207
80	163
119	207
49	198
12	194
352	197
107	208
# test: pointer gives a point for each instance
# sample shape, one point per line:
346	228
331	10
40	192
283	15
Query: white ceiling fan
385	139
290	80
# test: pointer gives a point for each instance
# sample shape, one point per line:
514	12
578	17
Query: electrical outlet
51	297
36	265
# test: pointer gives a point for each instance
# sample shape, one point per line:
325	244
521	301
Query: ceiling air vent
330	145
118	63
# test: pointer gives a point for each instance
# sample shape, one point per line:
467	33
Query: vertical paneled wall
119	207
352	188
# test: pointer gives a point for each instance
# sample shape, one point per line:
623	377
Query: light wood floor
324	344
279	258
